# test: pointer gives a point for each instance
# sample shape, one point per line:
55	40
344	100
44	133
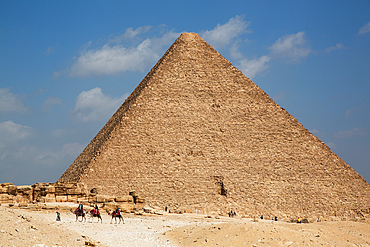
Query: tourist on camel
117	212
96	210
80	208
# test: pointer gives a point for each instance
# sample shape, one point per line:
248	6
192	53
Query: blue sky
66	66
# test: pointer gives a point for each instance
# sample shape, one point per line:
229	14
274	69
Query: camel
78	214
115	216
92	215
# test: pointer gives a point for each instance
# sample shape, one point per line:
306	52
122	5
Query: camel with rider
116	214
94	213
79	213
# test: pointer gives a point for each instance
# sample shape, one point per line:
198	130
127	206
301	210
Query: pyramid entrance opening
220	187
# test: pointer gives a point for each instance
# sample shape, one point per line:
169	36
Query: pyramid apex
189	36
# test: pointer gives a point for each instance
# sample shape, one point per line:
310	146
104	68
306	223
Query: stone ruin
197	134
63	192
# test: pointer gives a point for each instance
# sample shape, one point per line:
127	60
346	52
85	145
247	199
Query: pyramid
198	134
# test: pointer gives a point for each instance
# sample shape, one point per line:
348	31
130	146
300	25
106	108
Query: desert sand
28	227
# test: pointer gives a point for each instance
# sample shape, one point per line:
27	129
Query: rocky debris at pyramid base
65	192
44	193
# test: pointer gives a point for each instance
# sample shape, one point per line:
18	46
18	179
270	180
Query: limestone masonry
198	134
40	193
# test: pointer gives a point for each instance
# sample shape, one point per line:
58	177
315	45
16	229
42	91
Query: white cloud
339	46
47	157
222	35
349	112
50	50
93	105
29	164
251	68
332	145
51	101
71	149
316	132
356	132
37	156
56	74
60	132
365	29
234	51
356	110
11	135
10	102
280	96
129	34
293	46
11	132
113	59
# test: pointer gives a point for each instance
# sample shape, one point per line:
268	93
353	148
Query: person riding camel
117	212
80	208
96	210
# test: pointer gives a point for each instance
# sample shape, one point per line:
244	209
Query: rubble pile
60	192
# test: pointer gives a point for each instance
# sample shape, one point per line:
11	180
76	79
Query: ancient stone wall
197	134
61	192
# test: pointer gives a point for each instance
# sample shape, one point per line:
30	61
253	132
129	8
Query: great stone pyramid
198	134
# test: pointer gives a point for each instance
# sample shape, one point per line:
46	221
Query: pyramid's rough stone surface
198	134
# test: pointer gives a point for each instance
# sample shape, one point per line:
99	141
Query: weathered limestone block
50	196
24	189
38	190
84	200
67	185
71	198
29	197
140	199
48	189
45	199
61	198
69	189
127	198
12	190
104	198
80	186
41	185
23	205
5	198
126	208
148	210
74	191
5	184
4	188
92	199
21	199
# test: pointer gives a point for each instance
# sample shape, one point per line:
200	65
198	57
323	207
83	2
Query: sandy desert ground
26	227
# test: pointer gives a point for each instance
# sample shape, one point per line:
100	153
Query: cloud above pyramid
132	52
